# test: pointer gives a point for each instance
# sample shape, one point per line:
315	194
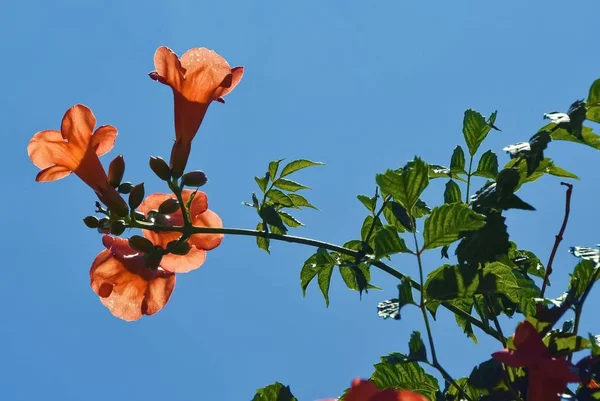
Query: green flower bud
160	168
178	248
141	244
136	197
194	179
125	187
117	227
91	222
169	206
116	170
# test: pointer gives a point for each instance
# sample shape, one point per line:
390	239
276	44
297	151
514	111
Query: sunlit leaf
288	185
450	282
488	165
475	129
385	241
452	192
262	242
273	168
262	182
447	223
274	392
588	136
581	276
280	198
394	372
416	347
300	201
457	162
407	187
298	165
271	217
369	202
289	220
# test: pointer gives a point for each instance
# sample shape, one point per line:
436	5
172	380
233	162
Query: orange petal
103	140
206	71
47	148
162	238
158	293
52	174
207	241
199	203
362	390
399	395
77	126
168	67
184	263
153	201
236	76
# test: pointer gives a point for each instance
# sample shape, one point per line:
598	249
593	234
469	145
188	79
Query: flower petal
103	140
199	203
207	241
158	293
48	148
153	201
361	390
528	340
205	73
184	263
168	67
76	127
52	174
398	395
236	76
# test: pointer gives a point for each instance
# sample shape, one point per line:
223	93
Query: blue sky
360	85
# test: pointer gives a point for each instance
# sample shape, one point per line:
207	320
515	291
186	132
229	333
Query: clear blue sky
360	85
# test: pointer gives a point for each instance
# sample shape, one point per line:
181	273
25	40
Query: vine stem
469	179
317	244
434	360
559	237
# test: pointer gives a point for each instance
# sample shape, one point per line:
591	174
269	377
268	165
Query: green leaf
271	217
588	136
407	187
262	242
546	166
370	203
475	129
385	241
288	219
525	261
273	167
324	279
393	372
450	282
289	185
356	277
447	223
320	264
300	201
595	342
298	165
493	235
556	171
457	162
593	102
499	278
486	375
366	227
488	165
417	347
452	192
262	182
396	216
472	392
280	198
581	276
464	304
274	392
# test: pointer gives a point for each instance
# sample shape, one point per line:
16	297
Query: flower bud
103	222
91	222
139	216
160	168
178	248
125	187
194	179
141	244
169	206
116	170
136	197
117	227
153	258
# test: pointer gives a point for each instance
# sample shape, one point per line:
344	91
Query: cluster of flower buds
136	276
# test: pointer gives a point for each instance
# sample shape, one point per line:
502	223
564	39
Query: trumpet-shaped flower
199	77
126	283
200	216
548	375
365	390
74	149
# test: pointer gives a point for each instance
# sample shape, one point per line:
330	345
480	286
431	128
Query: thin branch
559	237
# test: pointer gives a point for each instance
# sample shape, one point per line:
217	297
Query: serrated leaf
581	276
369	202
324	279
475	129
298	165
262	182
499	278
588	137
452	192
495	237
464	304
385	241
290	220
356	277
447	223
274	392
593	102
416	347
271	217
394	372
546	166
280	198
450	282
407	187
262	242
396	216
457	162
289	185
367	227
488	165
273	167
472	392
300	201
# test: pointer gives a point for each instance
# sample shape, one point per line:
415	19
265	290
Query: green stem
317	244
434	361
469	179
